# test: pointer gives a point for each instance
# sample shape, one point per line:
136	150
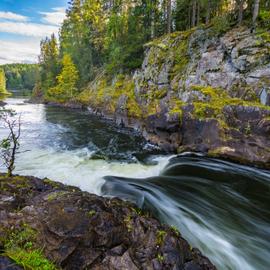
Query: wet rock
78	230
8	264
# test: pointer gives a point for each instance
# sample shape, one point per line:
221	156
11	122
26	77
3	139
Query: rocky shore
47	225
196	91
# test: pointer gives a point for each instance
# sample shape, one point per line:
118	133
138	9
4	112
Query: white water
72	167
60	145
76	168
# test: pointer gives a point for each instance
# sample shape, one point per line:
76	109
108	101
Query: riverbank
57	226
196	91
245	142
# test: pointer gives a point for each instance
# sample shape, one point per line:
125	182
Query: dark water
219	207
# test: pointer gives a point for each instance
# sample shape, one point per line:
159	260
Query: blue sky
23	23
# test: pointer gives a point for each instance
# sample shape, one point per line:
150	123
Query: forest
145	142
101	36
20	76
2	82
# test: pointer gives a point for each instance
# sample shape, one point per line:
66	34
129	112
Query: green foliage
21	76
160	237
49	63
91	213
218	99
175	230
20	248
66	82
128	223
110	35
3	90
264	19
221	24
160	258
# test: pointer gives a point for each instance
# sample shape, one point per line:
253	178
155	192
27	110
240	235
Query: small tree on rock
10	145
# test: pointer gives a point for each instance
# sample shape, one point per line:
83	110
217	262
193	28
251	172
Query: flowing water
220	207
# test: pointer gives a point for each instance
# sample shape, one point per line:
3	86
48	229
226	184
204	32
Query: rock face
197	91
238	62
78	230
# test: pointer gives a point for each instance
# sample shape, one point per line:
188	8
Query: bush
264	19
221	24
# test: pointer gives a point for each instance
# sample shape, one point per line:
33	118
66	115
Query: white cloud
25	46
12	16
28	29
24	51
55	17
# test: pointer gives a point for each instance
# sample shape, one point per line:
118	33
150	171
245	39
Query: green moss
175	230
30	259
181	58
160	237
91	213
51	183
218	99
220	151
56	194
138	211
264	18
128	222
160	258
20	248
176	108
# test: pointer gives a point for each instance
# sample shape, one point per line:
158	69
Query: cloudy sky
23	23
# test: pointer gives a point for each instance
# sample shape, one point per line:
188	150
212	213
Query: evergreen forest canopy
21	76
107	36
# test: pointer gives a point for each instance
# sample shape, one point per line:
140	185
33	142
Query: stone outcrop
78	230
197	91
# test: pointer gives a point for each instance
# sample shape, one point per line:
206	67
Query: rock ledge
78	230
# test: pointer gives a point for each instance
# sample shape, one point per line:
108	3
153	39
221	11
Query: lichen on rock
52	226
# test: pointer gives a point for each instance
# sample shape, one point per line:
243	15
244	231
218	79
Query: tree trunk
208	11
240	11
189	17
193	23
169	16
255	12
198	14
152	26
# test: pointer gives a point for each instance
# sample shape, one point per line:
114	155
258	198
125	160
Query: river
220	207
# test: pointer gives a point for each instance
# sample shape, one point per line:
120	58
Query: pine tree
67	80
3	89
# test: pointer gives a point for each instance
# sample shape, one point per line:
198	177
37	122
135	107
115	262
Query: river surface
220	207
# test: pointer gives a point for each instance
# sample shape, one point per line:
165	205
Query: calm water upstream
219	207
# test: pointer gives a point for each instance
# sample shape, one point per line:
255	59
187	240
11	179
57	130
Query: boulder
78	230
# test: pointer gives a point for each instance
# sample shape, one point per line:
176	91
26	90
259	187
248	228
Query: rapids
220	207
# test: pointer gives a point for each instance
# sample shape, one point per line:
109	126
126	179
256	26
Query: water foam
78	169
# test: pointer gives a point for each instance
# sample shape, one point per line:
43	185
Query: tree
10	145
3	89
21	76
255	12
49	63
67	80
169	16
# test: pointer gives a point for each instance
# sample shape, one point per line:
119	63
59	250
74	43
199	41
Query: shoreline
92	231
135	125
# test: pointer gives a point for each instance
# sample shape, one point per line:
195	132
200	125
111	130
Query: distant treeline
21	76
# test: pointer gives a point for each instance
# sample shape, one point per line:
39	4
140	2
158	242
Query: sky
23	23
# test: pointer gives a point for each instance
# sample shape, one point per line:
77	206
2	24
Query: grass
19	246
160	237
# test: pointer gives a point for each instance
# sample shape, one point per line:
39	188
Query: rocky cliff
196	91
46	225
